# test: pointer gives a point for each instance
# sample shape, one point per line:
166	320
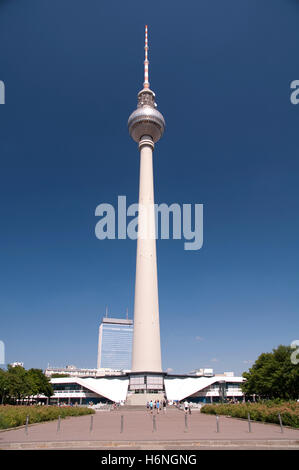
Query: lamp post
222	390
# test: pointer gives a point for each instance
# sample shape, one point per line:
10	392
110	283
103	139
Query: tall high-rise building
115	344
146	126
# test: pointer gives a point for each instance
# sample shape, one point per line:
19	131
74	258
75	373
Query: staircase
120	409
140	399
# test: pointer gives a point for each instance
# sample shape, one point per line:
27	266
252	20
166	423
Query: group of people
156	405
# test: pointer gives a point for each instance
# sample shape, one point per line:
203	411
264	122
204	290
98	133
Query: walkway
104	432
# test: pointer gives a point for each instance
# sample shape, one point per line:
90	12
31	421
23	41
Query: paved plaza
138	429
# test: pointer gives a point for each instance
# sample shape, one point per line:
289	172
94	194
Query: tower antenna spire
146	62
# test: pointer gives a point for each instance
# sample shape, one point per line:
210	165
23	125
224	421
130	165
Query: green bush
12	416
265	411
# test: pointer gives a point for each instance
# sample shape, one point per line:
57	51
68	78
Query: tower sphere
146	119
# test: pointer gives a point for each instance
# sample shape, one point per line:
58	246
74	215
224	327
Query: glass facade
64	387
75	395
115	346
69	387
146	383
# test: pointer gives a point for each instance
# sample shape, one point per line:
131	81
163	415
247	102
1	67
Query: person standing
164	405
151	406
186	406
158	406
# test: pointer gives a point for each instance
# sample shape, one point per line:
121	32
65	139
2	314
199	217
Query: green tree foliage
19	386
273	375
18	383
4	385
39	383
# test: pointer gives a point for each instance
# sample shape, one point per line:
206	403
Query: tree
4	386
39	383
273	375
18	383
19	387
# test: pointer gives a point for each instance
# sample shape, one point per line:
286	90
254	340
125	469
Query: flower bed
266	412
12	416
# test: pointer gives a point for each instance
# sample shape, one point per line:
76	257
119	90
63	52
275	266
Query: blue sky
221	72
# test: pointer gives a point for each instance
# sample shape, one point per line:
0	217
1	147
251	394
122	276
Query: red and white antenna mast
146	62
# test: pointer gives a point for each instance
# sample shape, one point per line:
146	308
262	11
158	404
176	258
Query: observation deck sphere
146	121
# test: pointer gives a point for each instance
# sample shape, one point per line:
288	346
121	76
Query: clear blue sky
221	71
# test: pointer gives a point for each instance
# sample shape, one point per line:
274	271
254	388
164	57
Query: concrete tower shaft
146	355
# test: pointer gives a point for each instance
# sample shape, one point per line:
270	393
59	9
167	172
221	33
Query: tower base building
138	389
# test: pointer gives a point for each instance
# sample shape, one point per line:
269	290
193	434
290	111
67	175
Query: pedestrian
164	405
158	406
189	408
186	406
151	406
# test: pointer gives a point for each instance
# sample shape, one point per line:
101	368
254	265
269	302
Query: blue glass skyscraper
115	344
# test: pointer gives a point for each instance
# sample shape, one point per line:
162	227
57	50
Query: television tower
146	126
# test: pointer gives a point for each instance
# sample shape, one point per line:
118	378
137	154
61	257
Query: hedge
12	416
266	412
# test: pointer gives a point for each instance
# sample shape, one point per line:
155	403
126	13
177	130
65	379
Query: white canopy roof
182	387
115	389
